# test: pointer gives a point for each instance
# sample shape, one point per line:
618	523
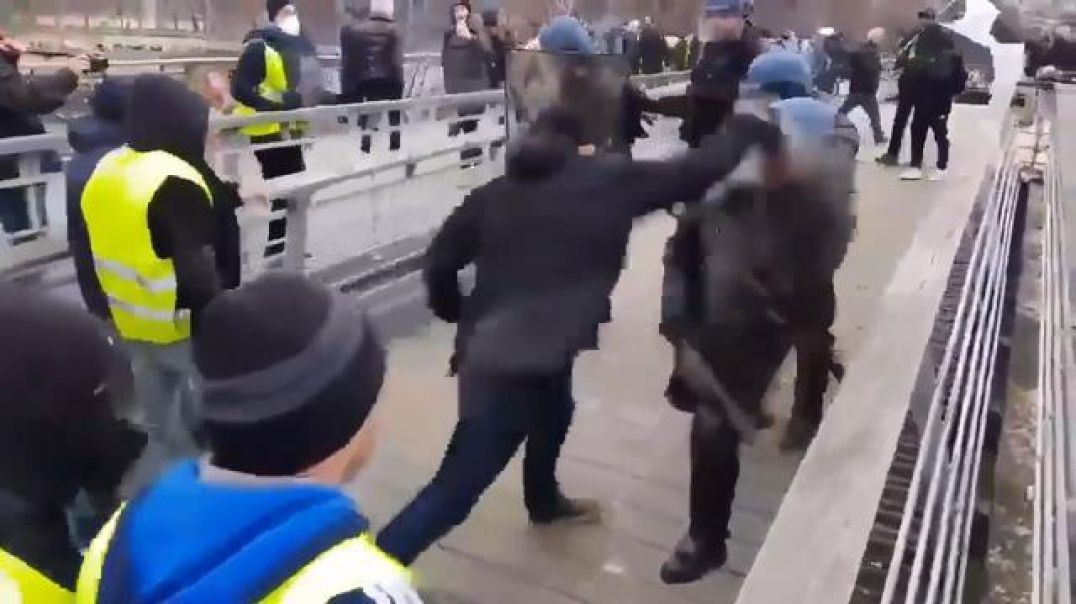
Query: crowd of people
178	441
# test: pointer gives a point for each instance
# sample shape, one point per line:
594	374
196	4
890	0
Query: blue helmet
781	72
565	34
717	8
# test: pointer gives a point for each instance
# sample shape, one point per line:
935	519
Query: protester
263	516
865	65
500	41
653	51
275	73
686	53
546	264
22	100
907	90
465	63
938	75
59	435
372	64
91	138
149	211
745	280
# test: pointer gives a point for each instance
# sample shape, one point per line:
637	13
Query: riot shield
592	86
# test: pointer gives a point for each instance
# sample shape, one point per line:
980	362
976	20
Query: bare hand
79	64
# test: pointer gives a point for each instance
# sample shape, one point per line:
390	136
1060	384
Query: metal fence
347	202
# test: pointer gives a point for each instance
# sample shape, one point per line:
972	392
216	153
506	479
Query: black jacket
866	69
548	242
250	70
184	225
653	51
371	50
465	63
23	99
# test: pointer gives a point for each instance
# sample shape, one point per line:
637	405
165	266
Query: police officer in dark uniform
751	278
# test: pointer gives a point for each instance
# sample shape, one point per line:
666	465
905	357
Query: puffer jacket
372	50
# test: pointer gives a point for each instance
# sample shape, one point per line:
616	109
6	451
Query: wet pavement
627	446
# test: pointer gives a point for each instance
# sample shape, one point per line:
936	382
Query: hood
177	123
186	541
91	133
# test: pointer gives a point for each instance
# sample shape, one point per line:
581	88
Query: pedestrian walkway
627	446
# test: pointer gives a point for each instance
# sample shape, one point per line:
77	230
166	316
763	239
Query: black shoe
799	434
571	511
887	160
692	561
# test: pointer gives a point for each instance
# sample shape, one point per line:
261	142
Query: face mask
290	25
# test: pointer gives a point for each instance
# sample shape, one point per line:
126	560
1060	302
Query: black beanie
273	7
292	370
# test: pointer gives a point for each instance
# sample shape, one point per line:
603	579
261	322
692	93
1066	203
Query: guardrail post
30	165
298	229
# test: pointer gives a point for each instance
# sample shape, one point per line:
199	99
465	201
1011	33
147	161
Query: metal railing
34	196
354	201
1055	450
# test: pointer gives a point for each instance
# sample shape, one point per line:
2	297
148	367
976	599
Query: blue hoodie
184	541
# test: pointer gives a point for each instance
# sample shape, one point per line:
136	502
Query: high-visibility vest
140	286
272	88
21	584
351	565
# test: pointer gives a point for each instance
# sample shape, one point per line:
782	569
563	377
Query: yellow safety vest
271	88
21	584
351	565
140	286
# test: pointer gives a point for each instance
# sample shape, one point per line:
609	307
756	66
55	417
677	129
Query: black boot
571	511
692	561
799	434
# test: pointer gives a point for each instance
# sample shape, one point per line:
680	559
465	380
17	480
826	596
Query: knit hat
56	361
273	7
109	101
291	371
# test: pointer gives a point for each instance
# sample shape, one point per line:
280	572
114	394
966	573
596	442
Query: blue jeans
535	410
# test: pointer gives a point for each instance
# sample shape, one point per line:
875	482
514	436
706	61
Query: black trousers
900	122
505	413
869	103
276	162
935	120
715	469
378	90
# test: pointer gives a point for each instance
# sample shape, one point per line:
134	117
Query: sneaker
887	160
912	174
937	175
571	511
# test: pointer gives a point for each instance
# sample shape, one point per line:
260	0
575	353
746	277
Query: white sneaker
912	174
937	175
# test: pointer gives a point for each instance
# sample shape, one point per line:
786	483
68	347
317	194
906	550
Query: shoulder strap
93	562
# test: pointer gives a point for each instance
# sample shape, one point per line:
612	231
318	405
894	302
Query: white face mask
290	25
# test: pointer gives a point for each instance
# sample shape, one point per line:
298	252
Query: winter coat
653	51
547	262
866	70
22	100
371	50
465	63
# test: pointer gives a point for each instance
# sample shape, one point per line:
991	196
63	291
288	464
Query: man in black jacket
372	64
22	100
548	242
866	70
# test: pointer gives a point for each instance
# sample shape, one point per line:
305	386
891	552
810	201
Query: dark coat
250	70
653	51
548	242
866	70
371	50
23	100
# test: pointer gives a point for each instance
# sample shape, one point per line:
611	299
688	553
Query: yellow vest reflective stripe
19	583
140	286
272	88
351	565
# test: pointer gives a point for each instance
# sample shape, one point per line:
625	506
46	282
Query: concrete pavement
627	447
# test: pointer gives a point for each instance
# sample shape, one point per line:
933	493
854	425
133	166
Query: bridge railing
350	202
34	213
